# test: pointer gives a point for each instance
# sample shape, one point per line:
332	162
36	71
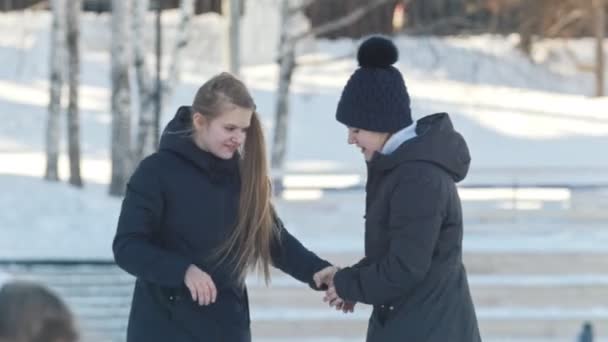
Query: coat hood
177	139
436	142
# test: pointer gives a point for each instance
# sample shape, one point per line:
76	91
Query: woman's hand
346	307
325	277
332	298
201	286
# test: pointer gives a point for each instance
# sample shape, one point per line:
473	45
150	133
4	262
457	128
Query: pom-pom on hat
375	97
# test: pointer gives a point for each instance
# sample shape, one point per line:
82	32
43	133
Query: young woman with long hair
198	216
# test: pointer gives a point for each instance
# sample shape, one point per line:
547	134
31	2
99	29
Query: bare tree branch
339	23
445	22
561	23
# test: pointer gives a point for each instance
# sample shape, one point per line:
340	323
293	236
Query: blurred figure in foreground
30	312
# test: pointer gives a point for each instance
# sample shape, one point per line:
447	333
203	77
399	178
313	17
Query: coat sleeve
415	217
135	245
362	263
291	257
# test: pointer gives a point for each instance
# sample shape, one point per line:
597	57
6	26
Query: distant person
30	312
412	273
197	216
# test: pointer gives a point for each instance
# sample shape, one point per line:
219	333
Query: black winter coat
413	273
181	203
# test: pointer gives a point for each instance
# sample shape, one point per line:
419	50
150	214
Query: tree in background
57	62
532	20
599	10
65	35
125	152
121	112
232	13
73	35
567	19
181	42
145	87
529	24
288	40
376	20
147	92
287	63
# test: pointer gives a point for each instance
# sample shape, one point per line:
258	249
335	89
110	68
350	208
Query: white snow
526	124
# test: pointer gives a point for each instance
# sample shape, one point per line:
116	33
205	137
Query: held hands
324	279
331	297
201	286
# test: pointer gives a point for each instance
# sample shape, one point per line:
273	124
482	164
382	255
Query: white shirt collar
399	138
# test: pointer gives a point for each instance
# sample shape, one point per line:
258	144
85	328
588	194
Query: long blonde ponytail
248	247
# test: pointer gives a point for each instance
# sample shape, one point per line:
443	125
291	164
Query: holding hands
203	290
324	279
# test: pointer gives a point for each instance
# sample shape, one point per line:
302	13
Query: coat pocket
196	321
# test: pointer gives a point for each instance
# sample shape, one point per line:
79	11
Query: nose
351	138
239	138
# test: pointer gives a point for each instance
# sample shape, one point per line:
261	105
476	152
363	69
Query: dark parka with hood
181	204
413	273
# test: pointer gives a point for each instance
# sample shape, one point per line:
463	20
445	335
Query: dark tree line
542	18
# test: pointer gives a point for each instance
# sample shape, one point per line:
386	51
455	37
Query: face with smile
368	141
224	134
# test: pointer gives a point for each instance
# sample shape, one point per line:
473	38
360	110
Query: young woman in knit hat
412	272
197	217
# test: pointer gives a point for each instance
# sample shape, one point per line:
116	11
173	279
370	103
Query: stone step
491	330
518	297
542	262
568	295
485	296
280	323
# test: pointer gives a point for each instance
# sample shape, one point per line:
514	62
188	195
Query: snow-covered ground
526	124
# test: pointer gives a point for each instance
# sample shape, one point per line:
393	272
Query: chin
222	154
225	155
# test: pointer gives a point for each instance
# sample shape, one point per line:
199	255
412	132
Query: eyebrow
237	126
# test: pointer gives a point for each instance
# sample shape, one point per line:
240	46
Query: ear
199	121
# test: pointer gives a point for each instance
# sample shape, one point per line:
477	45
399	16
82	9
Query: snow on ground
525	123
53	220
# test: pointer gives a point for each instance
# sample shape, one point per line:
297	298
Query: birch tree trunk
121	114
181	41
145	143
57	62
287	63
531	12
73	36
286	68
599	8
232	14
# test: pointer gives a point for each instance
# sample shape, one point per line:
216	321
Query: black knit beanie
375	97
